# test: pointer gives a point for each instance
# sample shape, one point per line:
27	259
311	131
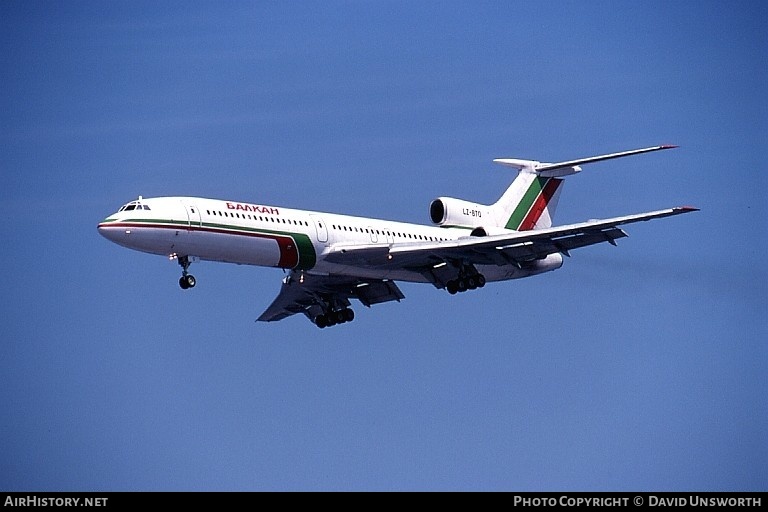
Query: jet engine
447	211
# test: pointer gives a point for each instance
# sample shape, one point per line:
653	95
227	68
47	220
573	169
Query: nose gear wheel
186	280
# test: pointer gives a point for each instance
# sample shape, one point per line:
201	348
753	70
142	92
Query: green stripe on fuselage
307	255
525	204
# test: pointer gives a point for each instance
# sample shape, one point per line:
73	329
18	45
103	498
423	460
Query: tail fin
530	202
531	199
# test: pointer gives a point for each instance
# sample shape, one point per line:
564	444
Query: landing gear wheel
331	318
463	284
187	281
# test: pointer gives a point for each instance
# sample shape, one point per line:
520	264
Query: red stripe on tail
540	204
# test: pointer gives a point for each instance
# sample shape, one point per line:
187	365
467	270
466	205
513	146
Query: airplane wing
515	247
308	293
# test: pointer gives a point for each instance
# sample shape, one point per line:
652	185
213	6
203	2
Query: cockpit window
133	206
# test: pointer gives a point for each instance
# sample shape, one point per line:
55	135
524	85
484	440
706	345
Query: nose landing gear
186	280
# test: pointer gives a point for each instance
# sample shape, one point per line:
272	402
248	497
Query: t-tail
529	202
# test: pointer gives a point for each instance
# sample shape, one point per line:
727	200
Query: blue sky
641	367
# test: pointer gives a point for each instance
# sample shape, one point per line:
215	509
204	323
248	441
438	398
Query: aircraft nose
111	232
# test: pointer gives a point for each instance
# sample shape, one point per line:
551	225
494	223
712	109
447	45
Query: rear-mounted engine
447	211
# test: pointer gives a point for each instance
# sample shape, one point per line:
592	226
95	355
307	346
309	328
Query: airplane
333	258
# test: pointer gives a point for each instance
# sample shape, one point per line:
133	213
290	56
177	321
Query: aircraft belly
236	248
144	239
507	272
500	273
491	272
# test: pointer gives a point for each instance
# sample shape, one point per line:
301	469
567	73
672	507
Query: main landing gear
186	280
331	318
462	284
329	310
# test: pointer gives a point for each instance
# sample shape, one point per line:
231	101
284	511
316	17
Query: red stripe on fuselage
289	252
540	204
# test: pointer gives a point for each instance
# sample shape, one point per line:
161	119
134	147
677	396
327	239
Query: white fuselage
253	234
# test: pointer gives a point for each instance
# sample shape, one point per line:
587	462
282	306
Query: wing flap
302	292
291	300
376	292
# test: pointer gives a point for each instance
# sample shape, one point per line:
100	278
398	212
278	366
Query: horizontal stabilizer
571	166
